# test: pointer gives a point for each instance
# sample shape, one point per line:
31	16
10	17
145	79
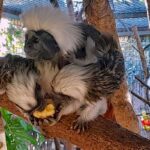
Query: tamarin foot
79	125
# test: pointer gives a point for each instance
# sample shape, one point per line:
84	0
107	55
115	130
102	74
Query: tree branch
103	134
141	51
135	48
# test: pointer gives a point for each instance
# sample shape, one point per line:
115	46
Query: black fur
40	45
103	42
80	53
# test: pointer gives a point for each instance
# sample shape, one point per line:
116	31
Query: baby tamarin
26	81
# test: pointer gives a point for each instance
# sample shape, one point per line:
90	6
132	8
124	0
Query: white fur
2	91
93	110
70	81
70	108
47	74
21	90
57	23
128	97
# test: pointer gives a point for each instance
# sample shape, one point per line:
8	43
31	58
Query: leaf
18	132
23	124
22	147
6	115
26	137
9	146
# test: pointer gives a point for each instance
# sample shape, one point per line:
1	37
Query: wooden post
99	14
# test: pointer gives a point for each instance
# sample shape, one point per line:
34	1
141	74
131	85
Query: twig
135	48
142	82
140	98
146	46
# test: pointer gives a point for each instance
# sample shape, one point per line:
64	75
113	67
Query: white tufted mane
57	23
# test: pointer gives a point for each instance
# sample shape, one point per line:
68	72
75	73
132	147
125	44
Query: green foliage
18	132
12	39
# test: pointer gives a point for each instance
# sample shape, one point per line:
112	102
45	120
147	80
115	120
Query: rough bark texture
99	14
102	135
123	110
141	51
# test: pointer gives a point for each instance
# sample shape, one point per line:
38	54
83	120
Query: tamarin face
40	45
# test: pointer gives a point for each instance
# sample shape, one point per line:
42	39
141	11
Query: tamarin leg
89	113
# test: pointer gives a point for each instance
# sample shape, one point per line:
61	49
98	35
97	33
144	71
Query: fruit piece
146	122
47	112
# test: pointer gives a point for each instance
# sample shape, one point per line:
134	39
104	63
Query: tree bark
103	134
99	14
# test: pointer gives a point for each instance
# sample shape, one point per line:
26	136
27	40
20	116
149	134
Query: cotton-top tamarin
95	69
18	78
22	79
